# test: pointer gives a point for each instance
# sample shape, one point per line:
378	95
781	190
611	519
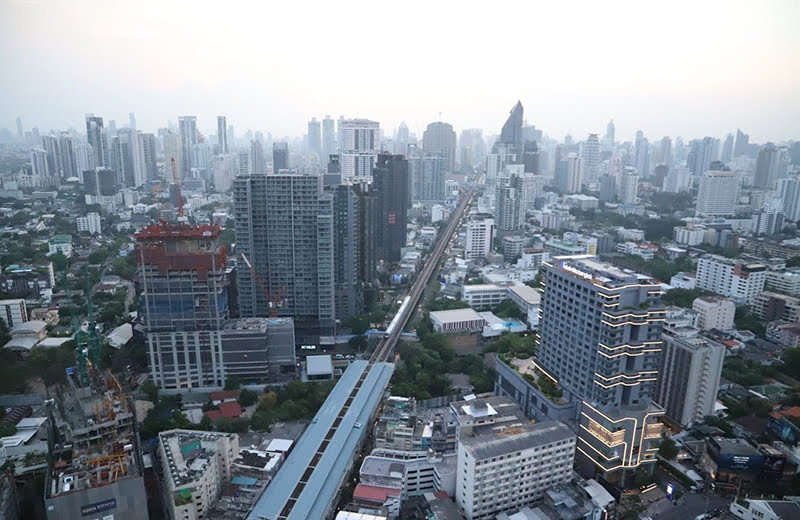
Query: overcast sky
673	68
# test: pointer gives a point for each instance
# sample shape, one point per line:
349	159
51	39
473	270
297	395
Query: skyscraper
69	165
280	156
129	158
258	163
767	171
510	138
628	186
473	148
328	140
600	344
96	136
284	226
610	131
359	145
401	139
50	145
727	149
390	181
84	159
427	173
591	157
742	144
509	203
717	194
315	139
187	129
569	176
150	161
439	138
349	298
665	154
20	131
172	152
642	155
222	134
132	120
789	193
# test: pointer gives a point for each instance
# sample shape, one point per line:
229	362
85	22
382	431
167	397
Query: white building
690	235
714	312
13	312
196	466
60	244
480	234
750	509
359	145
509	465
528	300
483	296
787	281
789	192
457	321
90	224
679	179
628	186
717	194
683	281
734	279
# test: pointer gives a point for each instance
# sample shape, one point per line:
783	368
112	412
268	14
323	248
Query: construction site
95	465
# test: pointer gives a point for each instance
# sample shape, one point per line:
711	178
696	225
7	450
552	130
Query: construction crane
177	187
273	302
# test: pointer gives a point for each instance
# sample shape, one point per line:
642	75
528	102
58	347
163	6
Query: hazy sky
673	68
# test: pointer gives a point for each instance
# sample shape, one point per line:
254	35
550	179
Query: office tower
660	173
328	140
201	159
112	128
150	159
349	299
678	179
600	344
473	148
84	159
591	157
187	130
742	144
569	176
628	185
789	193
100	185
359	146
280	157
20	131
183	303
732	278
510	139
480	236
315	139
768	219
222	134
714	312
223	171
258	163
401	139
69	164
727	149
284	226
665	153
427	174
608	188
439	138
390	181
495	471
509	203
369	226
766	172
131	121
717	194
688	376
40	166
243	162
50	145
642	155
172	151
96	136
129	155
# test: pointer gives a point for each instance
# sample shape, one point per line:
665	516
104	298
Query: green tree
668	449
233	383
745	320
125	267
7	430
247	398
791	362
150	390
261	421
60	262
681	297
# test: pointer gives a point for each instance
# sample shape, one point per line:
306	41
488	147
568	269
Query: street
688	507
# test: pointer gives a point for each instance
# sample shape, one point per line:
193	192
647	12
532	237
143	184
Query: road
688	507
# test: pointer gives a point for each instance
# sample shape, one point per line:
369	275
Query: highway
385	348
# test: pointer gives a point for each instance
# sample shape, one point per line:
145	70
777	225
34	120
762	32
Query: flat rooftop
186	457
324	452
456	315
591	268
515	438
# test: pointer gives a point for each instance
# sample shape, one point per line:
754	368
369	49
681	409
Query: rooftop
512	438
319	365
187	459
455	315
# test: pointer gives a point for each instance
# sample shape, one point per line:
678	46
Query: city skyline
708	85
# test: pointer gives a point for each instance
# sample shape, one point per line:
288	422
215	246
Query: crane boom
177	187
273	302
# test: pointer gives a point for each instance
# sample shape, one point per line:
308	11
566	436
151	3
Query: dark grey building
390	181
284	226
280	157
608	188
349	300
150	163
258	349
510	140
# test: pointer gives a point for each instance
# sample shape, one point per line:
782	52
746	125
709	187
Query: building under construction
95	467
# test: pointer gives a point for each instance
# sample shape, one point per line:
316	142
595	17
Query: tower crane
273	302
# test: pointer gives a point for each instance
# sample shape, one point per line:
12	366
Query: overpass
307	484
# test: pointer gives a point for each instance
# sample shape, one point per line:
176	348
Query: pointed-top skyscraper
511	134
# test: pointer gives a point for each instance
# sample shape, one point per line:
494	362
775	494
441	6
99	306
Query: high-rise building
591	157
222	134
727	149
510	139
40	166
742	144
717	194
473	148
714	312
642	155
401	139
187	130
370	227
280	157
50	145
20	130
224	170
480	236
678	179
439	138
569	175
600	345
628	185
769	166
610	131
732	278
96	136
258	163
284	227
315	139
150	159
390	181
129	163
90	223
69	165
665	154
184	303
608	188
427	173
689	372
328	140
509	203
172	152
132	120
789	192
347	287
359	146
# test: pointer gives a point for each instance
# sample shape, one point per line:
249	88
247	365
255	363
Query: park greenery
295	401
